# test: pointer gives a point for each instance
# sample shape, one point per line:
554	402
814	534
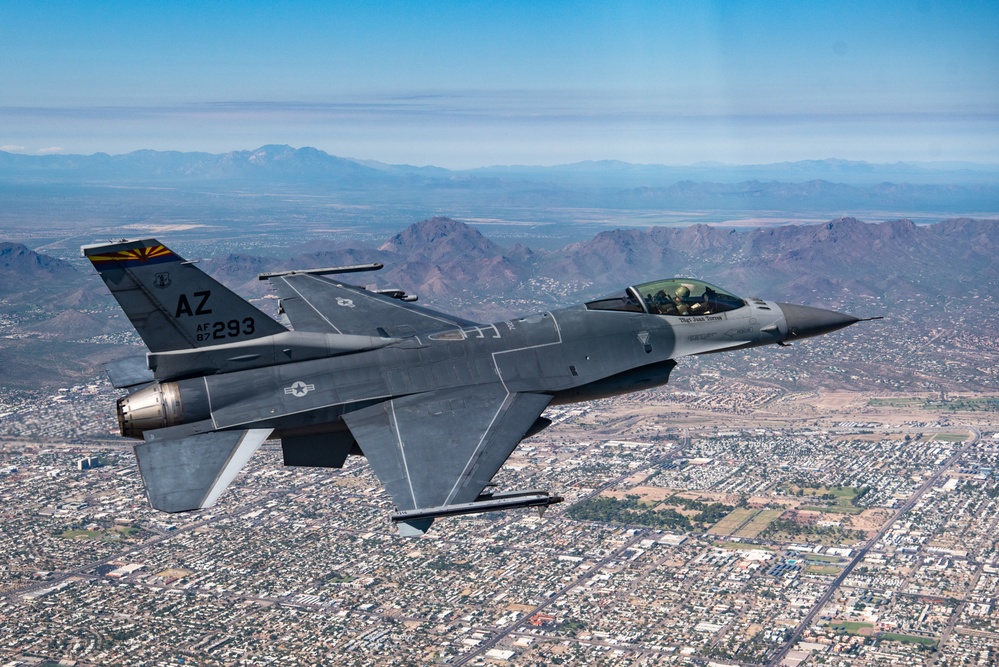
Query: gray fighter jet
435	402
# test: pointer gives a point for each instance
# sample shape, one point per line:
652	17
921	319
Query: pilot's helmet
682	292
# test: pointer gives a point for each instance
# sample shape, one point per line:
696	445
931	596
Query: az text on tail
171	303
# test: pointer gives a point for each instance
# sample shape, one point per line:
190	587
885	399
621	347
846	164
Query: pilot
706	304
663	305
680	300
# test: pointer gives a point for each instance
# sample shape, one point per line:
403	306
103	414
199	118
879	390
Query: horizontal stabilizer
128	372
191	471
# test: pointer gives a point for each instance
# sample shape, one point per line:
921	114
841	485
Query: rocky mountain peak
17	258
441	236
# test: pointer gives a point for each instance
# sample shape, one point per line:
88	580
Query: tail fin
170	302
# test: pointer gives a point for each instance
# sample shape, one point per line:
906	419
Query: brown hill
22	269
439	256
76	325
840	258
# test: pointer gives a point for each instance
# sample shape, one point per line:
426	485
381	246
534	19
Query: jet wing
441	448
316	304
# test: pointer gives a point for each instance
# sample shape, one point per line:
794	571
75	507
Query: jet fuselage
574	354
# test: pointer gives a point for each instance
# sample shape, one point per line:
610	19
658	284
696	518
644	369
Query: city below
728	523
833	503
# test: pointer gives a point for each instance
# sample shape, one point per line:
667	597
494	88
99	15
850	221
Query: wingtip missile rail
355	268
485	503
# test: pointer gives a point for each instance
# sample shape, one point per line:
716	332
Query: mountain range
61	322
277	162
816	185
444	259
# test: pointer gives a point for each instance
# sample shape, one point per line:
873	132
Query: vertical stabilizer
171	303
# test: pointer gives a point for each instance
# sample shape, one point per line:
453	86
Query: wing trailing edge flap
442	447
188	471
316	304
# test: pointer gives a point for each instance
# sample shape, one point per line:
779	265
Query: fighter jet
436	403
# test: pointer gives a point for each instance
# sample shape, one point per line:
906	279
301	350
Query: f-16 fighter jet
435	402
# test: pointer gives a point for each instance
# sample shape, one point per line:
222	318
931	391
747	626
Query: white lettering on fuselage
702	318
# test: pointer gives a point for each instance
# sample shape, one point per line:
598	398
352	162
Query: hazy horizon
509	84
829	159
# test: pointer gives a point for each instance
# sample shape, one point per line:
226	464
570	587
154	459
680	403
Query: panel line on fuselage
246	424
499	374
493	356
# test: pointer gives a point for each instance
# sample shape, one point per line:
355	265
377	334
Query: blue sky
465	84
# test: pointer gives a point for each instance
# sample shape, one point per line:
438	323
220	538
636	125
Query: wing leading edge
441	448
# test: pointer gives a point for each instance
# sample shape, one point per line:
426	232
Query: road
505	631
908	505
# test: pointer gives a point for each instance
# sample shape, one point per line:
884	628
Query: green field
742	546
732	521
977	404
896	402
758	523
841	494
908	639
83	534
951	437
115	533
822	559
838	499
849	627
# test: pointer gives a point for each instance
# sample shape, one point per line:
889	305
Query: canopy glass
675	296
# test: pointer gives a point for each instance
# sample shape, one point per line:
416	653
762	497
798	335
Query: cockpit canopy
676	296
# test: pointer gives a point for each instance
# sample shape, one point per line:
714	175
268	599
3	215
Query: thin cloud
9	148
50	150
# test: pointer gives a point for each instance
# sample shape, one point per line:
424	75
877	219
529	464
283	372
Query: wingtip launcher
355	268
484	503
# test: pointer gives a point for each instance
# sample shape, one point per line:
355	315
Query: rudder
171	303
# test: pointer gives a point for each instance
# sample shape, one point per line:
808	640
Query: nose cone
805	321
